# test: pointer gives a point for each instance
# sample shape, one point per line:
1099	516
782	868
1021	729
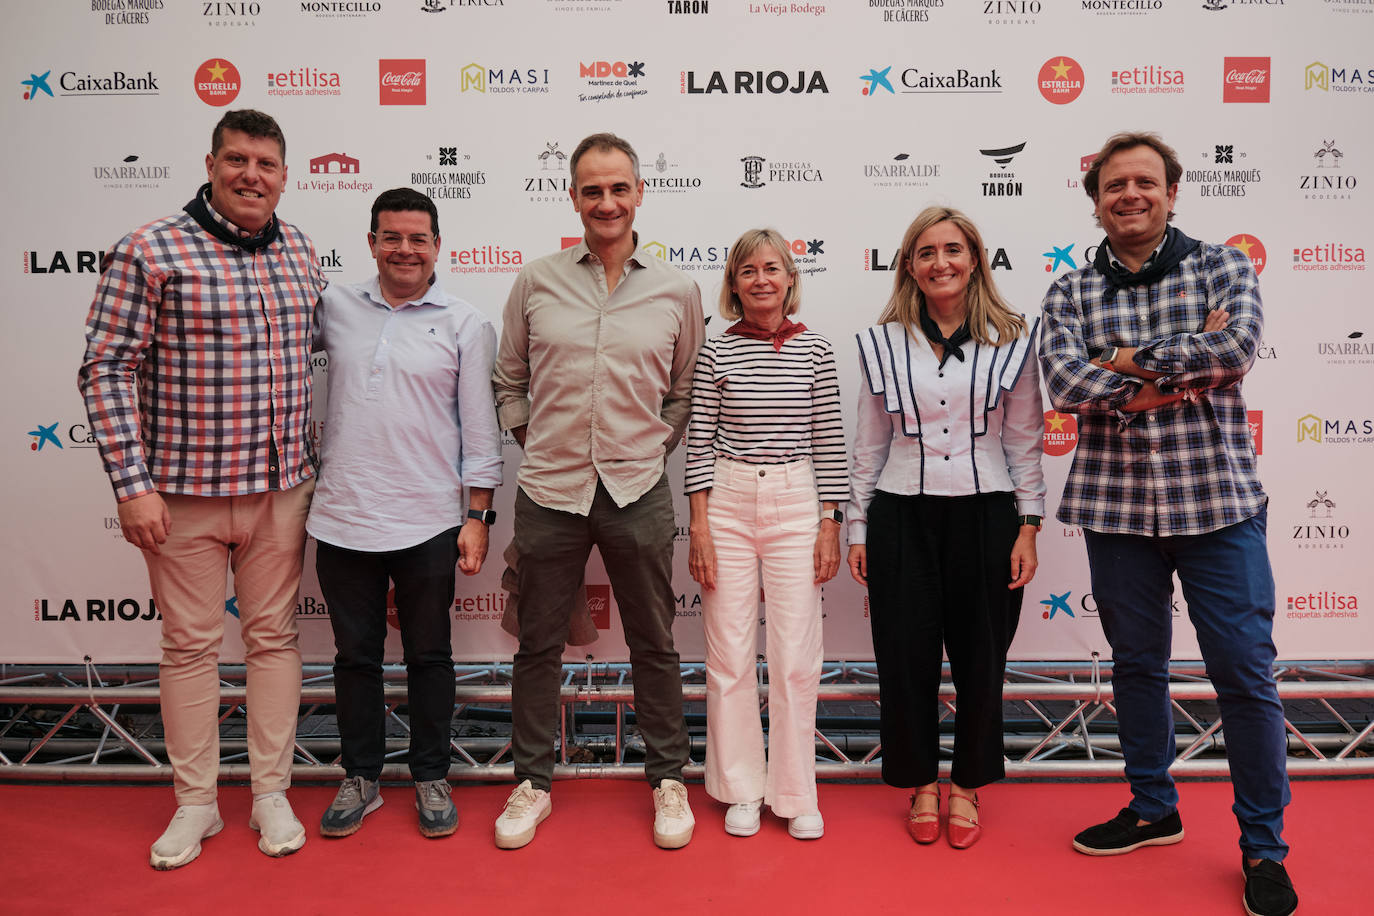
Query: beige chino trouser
261	538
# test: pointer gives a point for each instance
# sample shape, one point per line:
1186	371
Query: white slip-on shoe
180	842
282	833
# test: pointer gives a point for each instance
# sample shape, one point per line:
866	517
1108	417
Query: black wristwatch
485	516
1033	520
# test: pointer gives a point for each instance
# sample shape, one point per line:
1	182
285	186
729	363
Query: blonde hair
745	246
986	307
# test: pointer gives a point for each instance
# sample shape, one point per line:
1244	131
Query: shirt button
942	403
763	473
946	457
942	375
946	430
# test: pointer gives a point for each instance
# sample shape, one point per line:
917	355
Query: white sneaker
807	826
525	811
282	833
673	821
743	819
180	842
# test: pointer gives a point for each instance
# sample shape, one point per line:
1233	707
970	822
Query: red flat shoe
963	835
925	827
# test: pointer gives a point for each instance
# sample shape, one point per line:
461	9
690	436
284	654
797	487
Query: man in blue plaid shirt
1149	345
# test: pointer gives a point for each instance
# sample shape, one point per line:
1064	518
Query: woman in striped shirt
946	501
766	471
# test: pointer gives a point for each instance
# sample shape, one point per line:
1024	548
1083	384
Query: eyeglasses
391	241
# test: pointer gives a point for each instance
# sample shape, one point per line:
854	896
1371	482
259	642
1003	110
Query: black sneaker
438	817
1268	892
1121	835
357	798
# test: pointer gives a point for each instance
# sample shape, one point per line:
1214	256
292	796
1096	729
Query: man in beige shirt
593	378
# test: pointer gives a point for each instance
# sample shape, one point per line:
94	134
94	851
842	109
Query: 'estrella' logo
36	85
877	79
1056	603
43	435
1059	256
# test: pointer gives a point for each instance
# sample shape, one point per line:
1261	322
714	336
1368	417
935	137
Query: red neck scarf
785	332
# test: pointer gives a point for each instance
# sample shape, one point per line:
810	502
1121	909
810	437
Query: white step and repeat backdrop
834	122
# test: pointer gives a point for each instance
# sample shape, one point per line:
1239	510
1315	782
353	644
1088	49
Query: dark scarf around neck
952	344
200	211
1177	246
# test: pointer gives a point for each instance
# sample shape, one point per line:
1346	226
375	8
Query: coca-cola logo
1245	79
599	605
401	82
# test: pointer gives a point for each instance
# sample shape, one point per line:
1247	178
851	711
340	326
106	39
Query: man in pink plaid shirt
197	385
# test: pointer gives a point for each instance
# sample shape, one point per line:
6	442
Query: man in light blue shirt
410	423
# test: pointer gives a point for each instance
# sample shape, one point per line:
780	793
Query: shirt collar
1116	262
229	226
372	289
639	257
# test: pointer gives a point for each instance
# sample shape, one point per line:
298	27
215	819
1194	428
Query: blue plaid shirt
1184	468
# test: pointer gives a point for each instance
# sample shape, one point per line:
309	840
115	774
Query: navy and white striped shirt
1185	468
757	405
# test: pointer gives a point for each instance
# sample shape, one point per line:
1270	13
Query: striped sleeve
702	422
828	455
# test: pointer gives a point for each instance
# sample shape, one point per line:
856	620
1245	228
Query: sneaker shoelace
434	794
671	800
350	793
519	802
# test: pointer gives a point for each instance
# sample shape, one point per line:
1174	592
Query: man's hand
472	546
1216	320
1150	397
519	434
145	522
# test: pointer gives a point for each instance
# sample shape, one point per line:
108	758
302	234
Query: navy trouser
354	583
1229	589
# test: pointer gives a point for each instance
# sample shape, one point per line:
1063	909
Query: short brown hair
744	247
249	121
1173	169
603	142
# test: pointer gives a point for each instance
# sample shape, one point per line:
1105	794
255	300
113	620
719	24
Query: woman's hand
701	556
858	563
827	552
1023	560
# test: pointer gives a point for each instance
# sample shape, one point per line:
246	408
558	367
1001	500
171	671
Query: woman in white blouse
947	496
766	471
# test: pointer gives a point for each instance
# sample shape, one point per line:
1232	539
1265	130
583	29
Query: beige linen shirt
602	383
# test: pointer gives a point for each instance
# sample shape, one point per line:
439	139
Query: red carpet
68	849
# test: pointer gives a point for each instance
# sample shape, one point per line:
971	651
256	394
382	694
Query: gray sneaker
438	817
357	798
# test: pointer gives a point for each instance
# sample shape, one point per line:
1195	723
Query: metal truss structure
68	723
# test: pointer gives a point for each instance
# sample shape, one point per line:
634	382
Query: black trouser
938	569
636	545
354	584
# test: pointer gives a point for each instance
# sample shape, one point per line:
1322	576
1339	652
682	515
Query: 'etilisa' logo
1329	256
1245	79
401	81
1060	80
1149	79
1252	247
217	82
36	85
303	81
485	259
1061	433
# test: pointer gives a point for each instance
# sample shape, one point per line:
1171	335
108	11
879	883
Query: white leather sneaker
807	826
525	810
673	821
743	819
